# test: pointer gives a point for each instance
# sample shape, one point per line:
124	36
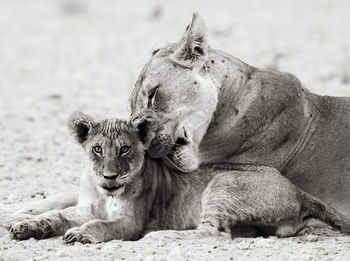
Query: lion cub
125	193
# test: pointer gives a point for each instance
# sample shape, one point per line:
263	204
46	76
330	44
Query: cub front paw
38	229
75	235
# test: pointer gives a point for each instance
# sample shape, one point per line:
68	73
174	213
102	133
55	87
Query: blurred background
63	55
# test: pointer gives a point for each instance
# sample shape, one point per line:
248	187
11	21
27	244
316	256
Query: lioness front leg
99	230
52	223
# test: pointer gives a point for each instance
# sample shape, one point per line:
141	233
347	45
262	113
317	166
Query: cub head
115	148
176	85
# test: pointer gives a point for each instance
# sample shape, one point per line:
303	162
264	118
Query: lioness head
115	148
176	85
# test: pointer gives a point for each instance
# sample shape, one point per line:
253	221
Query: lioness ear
193	47
80	125
146	124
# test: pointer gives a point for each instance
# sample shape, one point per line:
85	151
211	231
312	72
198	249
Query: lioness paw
75	235
27	229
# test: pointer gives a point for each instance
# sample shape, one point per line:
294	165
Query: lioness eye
97	149
151	96
155	51
124	150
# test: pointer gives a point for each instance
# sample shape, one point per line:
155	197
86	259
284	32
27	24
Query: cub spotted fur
128	193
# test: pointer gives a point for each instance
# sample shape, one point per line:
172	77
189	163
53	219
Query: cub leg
232	204
221	212
98	230
217	215
54	202
11	214
315	208
52	223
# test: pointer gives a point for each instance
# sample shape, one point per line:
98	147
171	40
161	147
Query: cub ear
146	124
80	125
192	50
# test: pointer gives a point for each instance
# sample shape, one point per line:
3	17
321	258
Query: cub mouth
112	188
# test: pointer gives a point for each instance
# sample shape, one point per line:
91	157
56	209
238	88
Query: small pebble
61	253
243	245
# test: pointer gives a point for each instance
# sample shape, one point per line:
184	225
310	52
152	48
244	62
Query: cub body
125	193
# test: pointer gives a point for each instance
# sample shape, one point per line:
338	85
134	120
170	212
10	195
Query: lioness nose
182	137
109	176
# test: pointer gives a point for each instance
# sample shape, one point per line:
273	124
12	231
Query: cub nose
110	175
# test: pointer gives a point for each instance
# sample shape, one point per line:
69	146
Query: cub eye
97	149
124	150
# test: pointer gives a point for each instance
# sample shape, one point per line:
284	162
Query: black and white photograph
174	130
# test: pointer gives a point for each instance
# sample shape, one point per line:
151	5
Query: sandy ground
61	56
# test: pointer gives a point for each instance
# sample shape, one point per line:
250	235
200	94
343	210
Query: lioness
128	193
216	108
